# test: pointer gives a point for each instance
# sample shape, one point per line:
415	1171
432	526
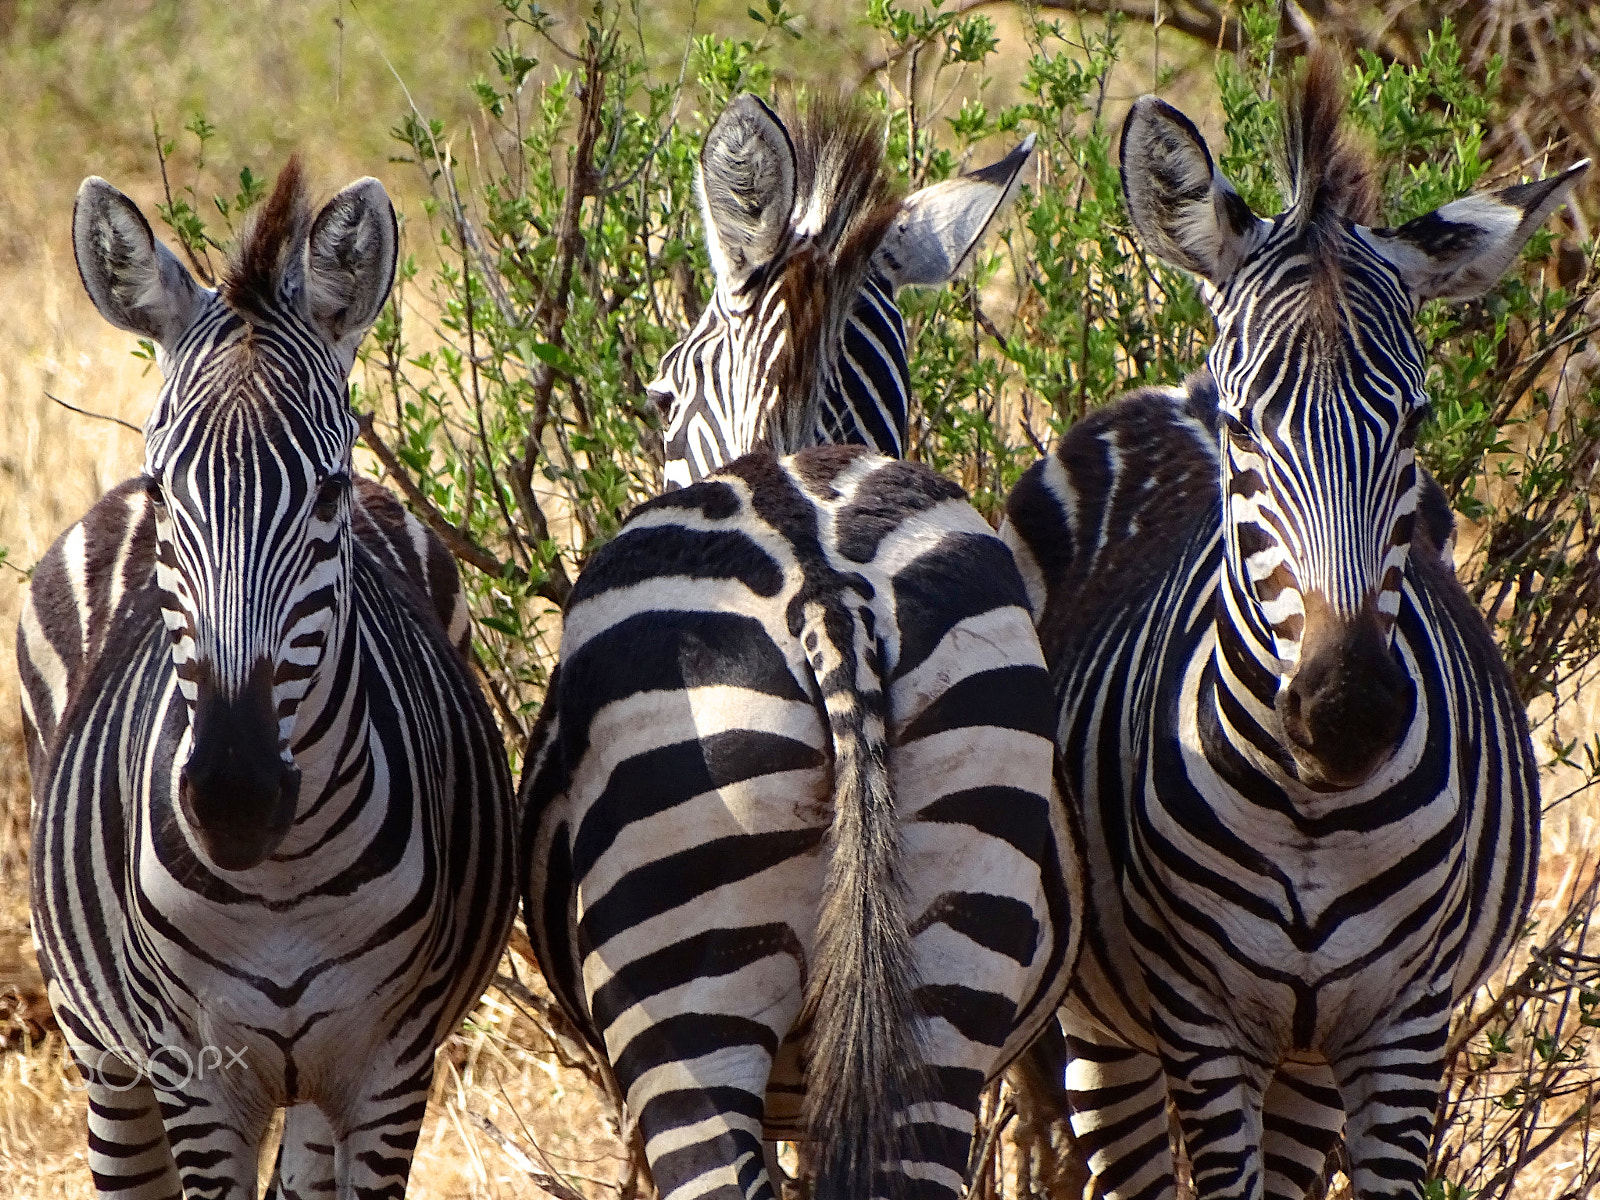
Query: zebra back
801	343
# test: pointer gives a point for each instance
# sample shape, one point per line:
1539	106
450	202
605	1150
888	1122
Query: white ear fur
747	182
938	228
349	262
1460	250
136	282
1186	213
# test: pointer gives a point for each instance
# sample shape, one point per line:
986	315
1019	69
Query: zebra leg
1390	1084
129	1156
216	1146
1302	1114
372	1161
305	1166
1118	1096
700	1117
1218	1095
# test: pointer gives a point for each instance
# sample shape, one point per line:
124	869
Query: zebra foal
273	840
1309	801
796	863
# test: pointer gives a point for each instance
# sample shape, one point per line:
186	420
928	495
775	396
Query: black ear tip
749	104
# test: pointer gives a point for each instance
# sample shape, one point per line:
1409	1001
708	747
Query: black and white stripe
273	837
701	385
786	218
797	865
1309	802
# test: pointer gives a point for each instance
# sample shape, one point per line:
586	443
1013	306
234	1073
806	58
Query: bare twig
551	1185
84	412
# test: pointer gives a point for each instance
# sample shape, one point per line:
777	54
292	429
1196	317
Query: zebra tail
865	1062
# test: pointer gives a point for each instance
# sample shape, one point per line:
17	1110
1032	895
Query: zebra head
1320	384
801	341
247	458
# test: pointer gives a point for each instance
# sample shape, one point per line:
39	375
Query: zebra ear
938	228
1186	213
747	173
1460	251
350	261
136	282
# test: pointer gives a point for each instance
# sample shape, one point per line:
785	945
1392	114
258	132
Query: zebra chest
1301	896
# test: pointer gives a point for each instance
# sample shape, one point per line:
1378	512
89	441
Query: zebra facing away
775	252
273	840
1308	796
797	866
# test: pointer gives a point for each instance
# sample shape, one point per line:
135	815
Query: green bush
551	268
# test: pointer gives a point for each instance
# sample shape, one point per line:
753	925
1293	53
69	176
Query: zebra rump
796	863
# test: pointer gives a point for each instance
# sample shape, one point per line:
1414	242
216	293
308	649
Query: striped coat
209	959
1310	805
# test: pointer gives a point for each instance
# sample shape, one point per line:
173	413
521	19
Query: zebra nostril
1292	703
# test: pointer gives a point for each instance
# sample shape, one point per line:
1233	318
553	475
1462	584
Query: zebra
795	861
771	266
273	838
1309	801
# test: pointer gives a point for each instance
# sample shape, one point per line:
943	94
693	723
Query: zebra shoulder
1116	502
85	587
404	545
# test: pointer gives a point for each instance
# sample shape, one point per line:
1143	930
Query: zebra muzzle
1350	701
237	792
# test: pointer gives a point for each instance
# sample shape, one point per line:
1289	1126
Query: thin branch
1208	24
202	270
551	1185
508	718
456	540
84	412
997	1126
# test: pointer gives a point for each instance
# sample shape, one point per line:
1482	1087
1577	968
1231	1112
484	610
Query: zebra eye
1414	421
329	493
1238	432
158	498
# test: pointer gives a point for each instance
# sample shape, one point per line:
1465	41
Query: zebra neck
331	742
1239	729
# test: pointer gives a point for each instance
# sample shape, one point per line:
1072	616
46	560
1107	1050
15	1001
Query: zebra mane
843	190
1329	176
845	200
269	245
